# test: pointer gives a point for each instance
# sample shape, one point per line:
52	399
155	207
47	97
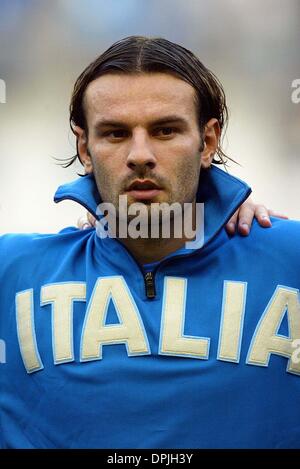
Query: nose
140	156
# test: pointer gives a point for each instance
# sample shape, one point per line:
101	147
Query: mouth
143	190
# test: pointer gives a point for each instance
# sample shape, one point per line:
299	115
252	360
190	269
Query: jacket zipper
150	285
149	277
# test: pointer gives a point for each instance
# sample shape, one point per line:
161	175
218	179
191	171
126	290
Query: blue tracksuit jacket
200	353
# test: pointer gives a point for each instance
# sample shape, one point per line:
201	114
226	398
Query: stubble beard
185	192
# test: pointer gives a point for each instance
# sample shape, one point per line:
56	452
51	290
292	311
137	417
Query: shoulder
281	229
20	248
282	238
285	224
285	230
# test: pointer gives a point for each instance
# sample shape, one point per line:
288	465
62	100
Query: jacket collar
221	193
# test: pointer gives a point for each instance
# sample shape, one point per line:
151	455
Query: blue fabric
151	266
150	400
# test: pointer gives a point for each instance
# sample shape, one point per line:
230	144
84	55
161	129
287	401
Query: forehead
139	97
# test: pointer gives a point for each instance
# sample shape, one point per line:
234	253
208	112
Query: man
143	342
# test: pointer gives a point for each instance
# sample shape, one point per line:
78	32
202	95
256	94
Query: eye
117	134
165	131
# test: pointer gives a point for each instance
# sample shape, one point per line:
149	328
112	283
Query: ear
82	144
211	138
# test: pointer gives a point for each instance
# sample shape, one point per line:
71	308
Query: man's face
143	138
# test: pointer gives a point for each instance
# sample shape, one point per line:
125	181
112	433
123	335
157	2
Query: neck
147	250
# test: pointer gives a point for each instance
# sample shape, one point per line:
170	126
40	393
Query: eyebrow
164	120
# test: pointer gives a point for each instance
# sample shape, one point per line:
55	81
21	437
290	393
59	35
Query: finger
231	224
91	219
273	213
245	219
262	216
83	224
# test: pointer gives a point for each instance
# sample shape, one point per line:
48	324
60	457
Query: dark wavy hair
139	54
